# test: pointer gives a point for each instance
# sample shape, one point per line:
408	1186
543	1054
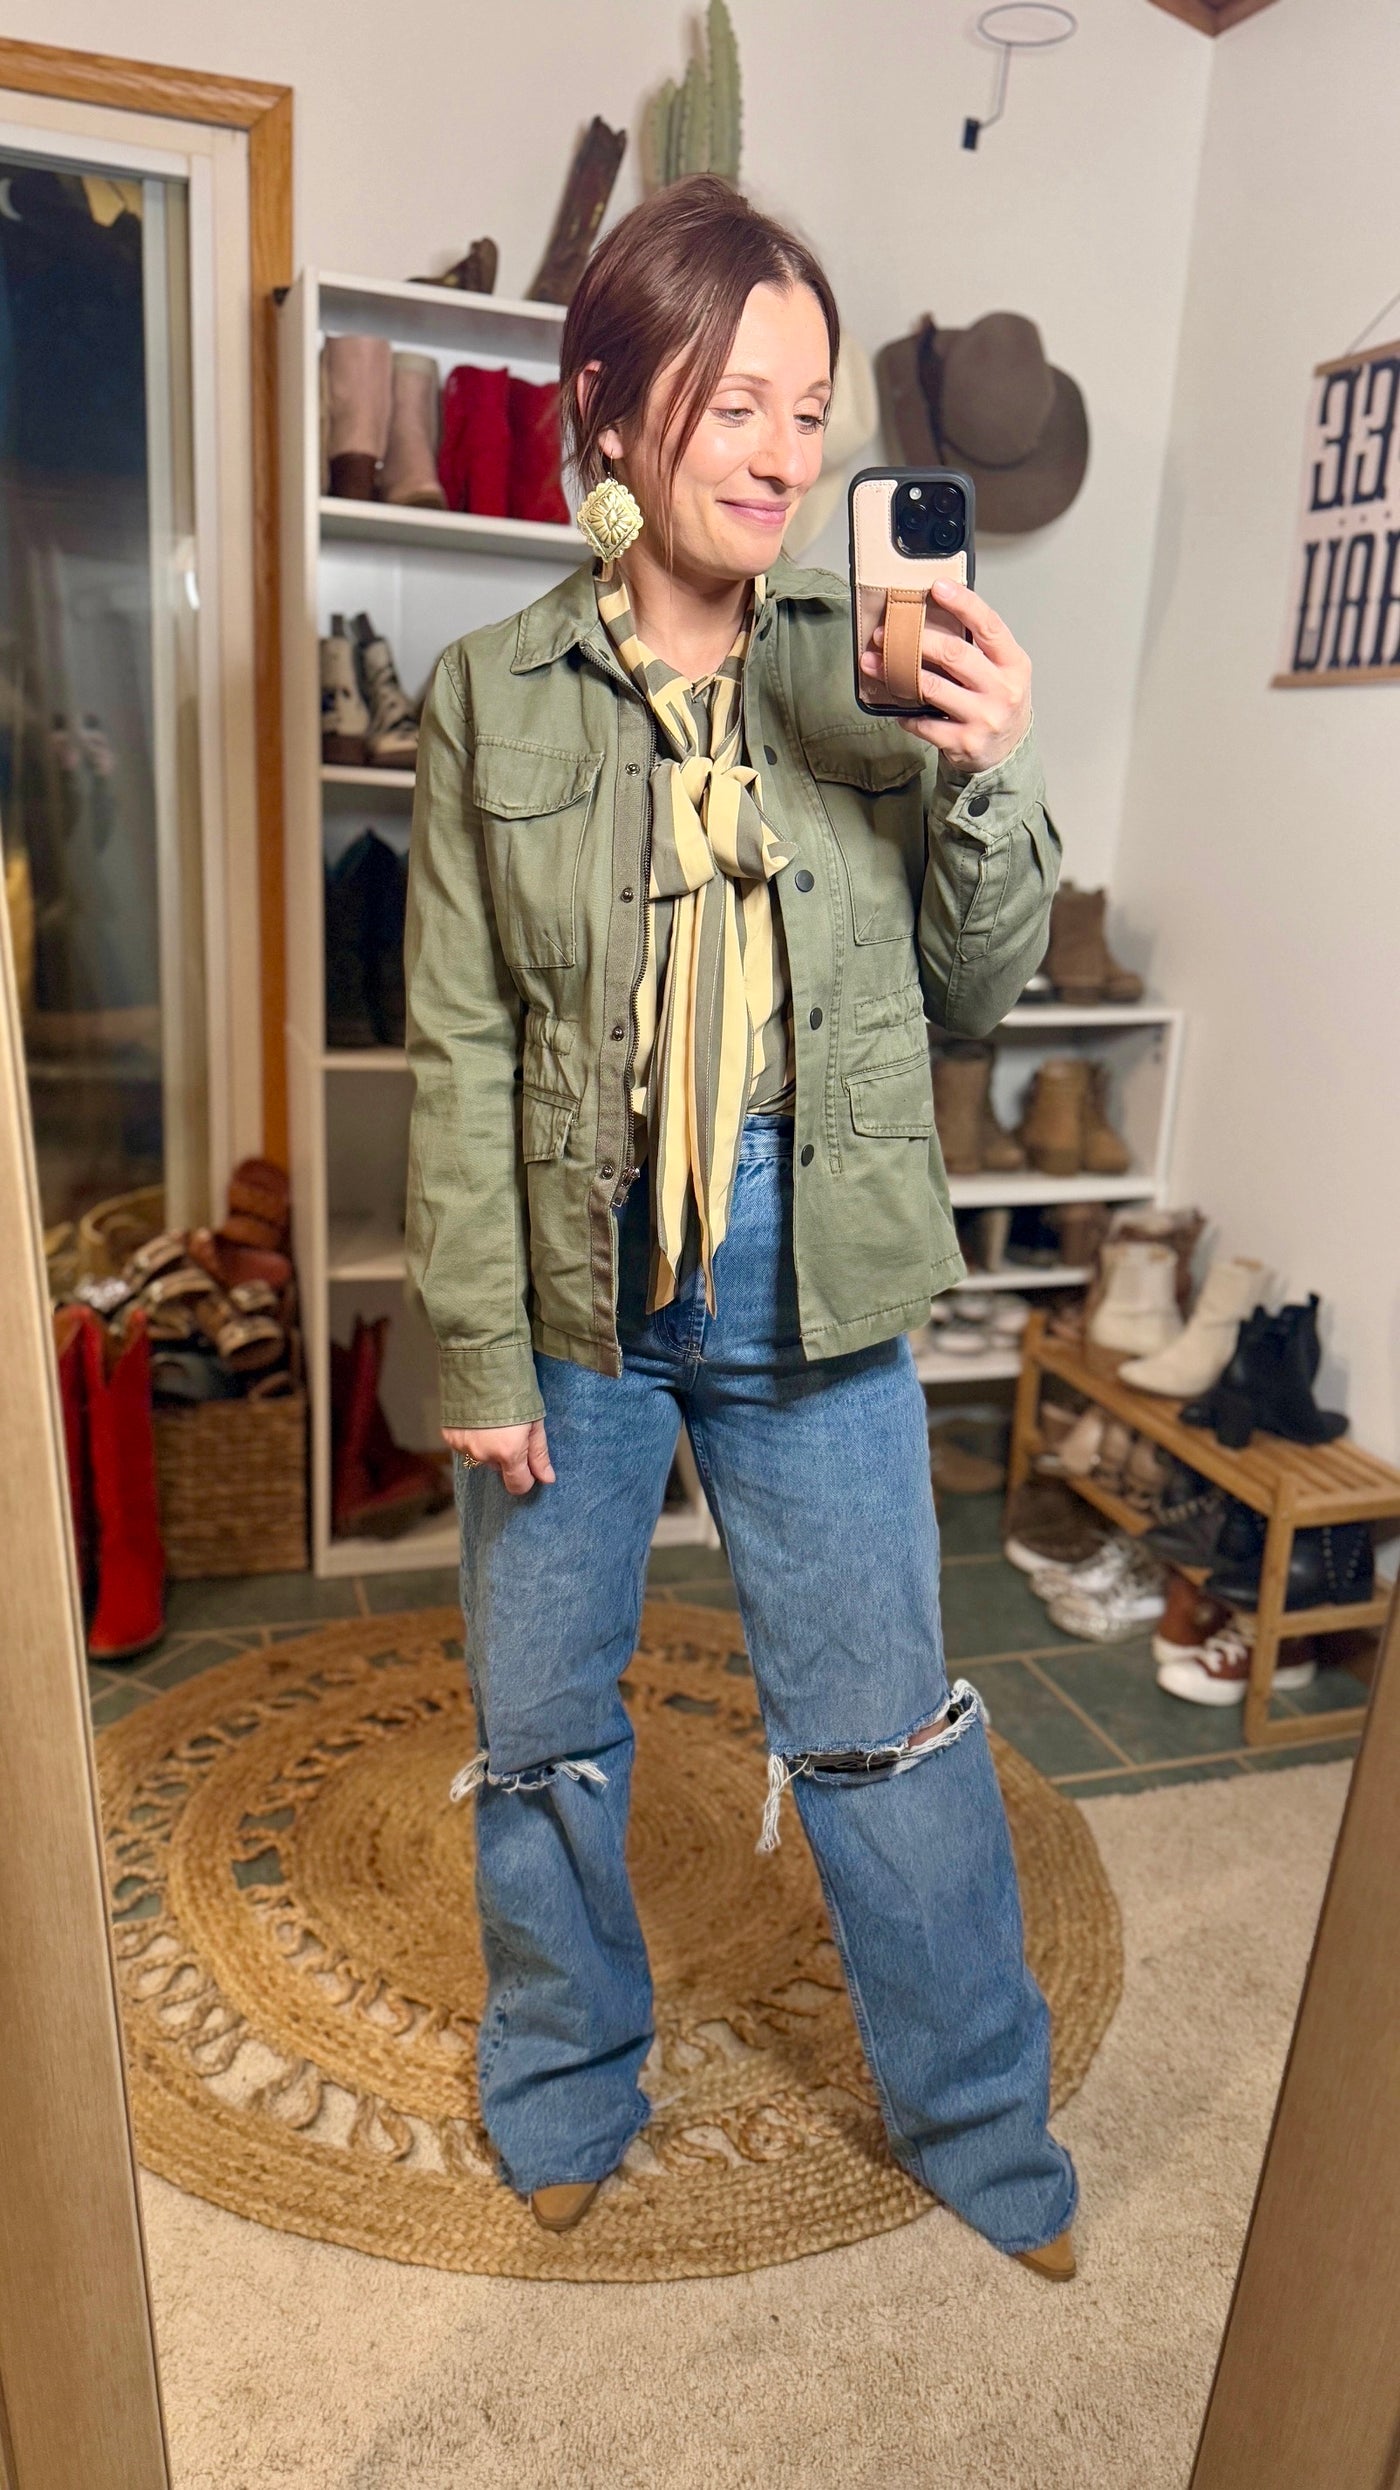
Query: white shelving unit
1141	1045
425	576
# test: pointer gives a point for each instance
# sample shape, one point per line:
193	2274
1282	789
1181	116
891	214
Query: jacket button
768	753
803	879
808	1154
814	1016
607	1168
978	803
629	893
634	769
619	1029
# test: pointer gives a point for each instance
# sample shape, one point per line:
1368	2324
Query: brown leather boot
1052	1128
962	1073
357	379
562	2208
1079	964
1081	1228
1055	2261
1105	1154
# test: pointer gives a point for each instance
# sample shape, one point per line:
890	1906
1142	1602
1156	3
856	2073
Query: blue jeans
818	1475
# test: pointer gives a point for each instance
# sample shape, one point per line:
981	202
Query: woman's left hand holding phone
521	1454
983	684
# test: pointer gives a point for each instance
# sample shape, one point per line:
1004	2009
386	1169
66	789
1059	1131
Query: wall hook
1016	26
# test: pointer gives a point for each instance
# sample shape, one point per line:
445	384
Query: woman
677	905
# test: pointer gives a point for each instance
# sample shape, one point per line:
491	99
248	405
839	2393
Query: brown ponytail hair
671	281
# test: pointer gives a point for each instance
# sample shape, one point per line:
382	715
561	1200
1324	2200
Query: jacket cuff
993	803
491	1387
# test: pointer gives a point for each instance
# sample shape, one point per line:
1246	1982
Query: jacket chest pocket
535	802
872	793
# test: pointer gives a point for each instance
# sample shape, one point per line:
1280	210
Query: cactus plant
696	127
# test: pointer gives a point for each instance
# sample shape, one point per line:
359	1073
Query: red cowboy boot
535	490
69	1324
474	460
378	1488
130	1613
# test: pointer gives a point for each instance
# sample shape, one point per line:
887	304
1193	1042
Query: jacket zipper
608	666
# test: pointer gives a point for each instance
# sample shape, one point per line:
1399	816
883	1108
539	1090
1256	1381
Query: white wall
421	125
1259	867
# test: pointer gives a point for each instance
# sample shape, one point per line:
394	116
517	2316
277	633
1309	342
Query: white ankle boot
1138	1310
1200	1356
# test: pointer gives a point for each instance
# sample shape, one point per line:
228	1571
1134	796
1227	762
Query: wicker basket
233	1487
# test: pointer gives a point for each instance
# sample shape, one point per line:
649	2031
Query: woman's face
757	447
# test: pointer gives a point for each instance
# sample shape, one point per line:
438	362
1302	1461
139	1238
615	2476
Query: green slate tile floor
1089	1716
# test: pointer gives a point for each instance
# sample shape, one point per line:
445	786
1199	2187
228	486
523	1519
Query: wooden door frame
79	2393
1307	2386
265	113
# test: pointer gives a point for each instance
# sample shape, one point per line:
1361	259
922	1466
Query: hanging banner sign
1344	612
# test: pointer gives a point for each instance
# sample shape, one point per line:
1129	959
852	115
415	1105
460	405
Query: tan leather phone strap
904	641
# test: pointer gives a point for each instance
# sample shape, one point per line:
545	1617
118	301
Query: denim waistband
766	1136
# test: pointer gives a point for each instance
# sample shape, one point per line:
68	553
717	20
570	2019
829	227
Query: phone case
891	587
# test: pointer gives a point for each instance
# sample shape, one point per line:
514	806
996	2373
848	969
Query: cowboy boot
344	717
386	909
130	1613
409	474
1104	1153
1198	1357
69	1324
534	490
474	460
377	1491
358	395
392	741
350	885
1052	1128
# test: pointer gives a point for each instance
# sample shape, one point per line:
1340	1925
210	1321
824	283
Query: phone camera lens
947	501
947	534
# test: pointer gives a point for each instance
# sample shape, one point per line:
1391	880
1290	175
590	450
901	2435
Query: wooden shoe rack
1296	1486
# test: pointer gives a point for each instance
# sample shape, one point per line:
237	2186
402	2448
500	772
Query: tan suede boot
1052	1128
410	472
358	386
1079	964
962	1074
1081	1228
1001	1151
1104	1153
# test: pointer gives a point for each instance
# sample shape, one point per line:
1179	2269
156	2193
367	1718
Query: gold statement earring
610	519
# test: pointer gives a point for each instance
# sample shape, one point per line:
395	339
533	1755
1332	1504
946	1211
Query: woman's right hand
521	1454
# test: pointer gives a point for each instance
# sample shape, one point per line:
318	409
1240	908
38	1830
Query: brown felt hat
984	399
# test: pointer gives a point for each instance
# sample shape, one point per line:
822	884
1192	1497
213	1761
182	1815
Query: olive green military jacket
907	894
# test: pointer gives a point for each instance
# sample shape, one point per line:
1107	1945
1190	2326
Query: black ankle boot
1268	1384
348	894
1189	1518
1329	1567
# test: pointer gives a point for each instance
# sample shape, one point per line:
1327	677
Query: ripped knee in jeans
850	1768
536	1777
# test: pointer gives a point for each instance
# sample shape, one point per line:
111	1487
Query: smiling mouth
767	513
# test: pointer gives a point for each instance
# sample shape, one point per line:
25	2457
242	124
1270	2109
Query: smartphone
909	526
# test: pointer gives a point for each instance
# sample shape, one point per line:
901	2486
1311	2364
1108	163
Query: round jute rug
301	1978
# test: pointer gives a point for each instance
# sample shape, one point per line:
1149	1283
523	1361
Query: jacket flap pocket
545	1125
889	1011
515	780
877	760
894	1099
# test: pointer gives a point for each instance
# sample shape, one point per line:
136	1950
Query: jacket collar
568	614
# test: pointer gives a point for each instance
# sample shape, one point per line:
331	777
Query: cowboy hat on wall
986	399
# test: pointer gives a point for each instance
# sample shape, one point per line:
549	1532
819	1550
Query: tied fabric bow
709	841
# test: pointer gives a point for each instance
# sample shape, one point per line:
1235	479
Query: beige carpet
916	2359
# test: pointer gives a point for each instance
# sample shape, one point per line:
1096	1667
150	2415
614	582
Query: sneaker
1220	1672
1118	1611
1093	1573
1048	1525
